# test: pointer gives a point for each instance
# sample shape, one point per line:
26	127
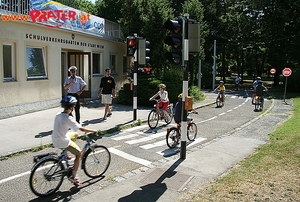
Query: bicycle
49	169
220	100
154	115
258	103
174	134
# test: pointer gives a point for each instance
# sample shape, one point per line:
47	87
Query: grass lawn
272	173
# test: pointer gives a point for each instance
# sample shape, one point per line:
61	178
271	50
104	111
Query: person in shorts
60	139
108	89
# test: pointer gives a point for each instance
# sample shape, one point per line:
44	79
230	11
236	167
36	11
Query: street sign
272	70
286	72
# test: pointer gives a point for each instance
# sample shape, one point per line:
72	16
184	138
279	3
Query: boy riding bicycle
63	121
178	110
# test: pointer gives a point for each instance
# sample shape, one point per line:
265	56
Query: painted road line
129	157
172	151
153	145
150	137
125	137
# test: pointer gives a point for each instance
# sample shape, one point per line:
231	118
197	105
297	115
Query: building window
113	64
8	62
35	62
97	63
125	64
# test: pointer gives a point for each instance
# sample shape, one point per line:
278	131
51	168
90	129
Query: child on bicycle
178	110
164	100
221	87
63	121
259	91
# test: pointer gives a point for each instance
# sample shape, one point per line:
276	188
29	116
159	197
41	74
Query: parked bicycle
154	115
49	170
174	134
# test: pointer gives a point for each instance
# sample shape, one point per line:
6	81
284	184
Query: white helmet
73	68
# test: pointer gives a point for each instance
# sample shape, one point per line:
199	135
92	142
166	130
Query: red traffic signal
131	45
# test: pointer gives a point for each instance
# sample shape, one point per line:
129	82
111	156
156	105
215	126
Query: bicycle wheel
218	102
153	118
170	118
96	161
192	131
256	103
46	177
172	137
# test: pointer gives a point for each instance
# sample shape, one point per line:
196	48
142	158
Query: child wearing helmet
221	88
178	110
164	99
62	122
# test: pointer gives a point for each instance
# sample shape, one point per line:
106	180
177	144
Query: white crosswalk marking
129	157
150	137
153	145
168	151
125	137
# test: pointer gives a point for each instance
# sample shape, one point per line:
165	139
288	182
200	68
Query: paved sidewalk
30	130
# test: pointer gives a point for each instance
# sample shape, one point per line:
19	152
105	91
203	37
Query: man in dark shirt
108	88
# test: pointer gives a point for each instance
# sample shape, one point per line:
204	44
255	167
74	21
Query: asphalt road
130	149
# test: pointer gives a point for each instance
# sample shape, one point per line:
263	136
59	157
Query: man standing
108	88
238	80
75	85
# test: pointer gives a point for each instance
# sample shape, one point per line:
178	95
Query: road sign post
286	72
272	71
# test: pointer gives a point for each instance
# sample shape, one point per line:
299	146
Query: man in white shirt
75	85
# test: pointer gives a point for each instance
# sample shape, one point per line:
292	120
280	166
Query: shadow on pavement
67	195
152	192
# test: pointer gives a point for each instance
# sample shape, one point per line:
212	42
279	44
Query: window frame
113	70
13	63
100	63
45	76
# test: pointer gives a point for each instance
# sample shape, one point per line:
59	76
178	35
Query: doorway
82	60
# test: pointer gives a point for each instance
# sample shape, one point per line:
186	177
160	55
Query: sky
93	1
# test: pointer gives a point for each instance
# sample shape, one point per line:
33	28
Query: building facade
35	57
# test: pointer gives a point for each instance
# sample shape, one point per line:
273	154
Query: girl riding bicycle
63	121
164	100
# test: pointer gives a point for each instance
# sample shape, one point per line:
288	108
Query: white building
35	56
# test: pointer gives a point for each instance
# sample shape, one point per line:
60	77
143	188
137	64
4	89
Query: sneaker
75	180
104	118
109	114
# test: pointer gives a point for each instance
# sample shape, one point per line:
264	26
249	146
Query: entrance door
82	61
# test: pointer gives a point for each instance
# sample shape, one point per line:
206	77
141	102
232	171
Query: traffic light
143	51
175	41
131	45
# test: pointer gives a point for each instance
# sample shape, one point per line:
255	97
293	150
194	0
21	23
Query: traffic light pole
135	69
184	86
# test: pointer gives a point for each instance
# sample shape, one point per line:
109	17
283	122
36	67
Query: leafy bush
148	86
